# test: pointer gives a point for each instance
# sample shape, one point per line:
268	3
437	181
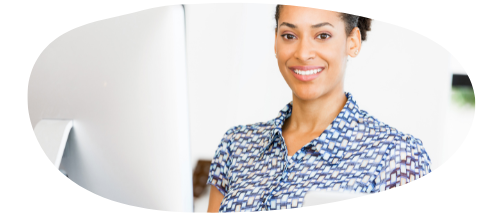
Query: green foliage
463	96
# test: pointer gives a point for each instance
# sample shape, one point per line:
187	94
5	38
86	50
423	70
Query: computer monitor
122	81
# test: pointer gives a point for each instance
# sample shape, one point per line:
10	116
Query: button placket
274	179
288	164
275	183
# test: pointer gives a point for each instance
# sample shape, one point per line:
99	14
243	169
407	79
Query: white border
30	185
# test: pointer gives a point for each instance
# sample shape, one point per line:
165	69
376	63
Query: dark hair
351	21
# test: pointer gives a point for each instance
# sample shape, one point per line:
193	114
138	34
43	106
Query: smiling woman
321	140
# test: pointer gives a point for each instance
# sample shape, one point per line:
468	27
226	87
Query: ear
275	44
354	42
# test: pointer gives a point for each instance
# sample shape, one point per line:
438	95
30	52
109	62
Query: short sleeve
219	173
407	161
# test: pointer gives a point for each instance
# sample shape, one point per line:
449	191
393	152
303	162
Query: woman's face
312	47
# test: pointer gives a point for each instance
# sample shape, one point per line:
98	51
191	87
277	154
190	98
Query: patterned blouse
356	152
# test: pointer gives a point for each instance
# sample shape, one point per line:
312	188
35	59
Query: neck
315	115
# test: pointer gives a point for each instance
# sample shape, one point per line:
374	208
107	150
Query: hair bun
364	25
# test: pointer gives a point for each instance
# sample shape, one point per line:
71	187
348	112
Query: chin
306	94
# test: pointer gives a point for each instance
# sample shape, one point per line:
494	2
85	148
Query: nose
305	51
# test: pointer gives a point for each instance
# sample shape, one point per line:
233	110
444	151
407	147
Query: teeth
308	72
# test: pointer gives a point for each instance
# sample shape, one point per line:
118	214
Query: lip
305	68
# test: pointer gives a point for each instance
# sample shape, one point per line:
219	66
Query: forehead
308	16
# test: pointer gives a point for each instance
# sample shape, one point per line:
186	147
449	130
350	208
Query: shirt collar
276	123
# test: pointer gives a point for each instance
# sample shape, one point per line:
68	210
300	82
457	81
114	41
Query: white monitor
122	81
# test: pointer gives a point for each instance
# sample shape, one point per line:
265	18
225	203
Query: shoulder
397	145
248	129
390	135
238	134
402	157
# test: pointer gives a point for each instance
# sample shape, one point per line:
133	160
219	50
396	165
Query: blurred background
151	94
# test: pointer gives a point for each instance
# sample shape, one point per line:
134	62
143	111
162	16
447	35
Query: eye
323	36
288	36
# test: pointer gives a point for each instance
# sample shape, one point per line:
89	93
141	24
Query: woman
319	141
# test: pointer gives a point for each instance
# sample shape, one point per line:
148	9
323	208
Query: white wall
404	79
400	77
232	71
123	82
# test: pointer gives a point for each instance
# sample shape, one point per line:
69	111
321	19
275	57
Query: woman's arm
218	177
406	162
215	199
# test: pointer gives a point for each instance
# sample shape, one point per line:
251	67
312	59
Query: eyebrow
290	25
322	24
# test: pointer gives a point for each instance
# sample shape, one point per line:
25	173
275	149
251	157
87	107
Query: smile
306	73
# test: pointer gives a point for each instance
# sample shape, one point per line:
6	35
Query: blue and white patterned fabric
356	152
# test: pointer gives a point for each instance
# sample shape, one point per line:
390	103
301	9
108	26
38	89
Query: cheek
282	58
284	55
285	50
334	58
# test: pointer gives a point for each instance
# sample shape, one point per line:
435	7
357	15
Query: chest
272	180
294	141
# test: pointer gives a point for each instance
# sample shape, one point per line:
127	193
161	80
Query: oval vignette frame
114	86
